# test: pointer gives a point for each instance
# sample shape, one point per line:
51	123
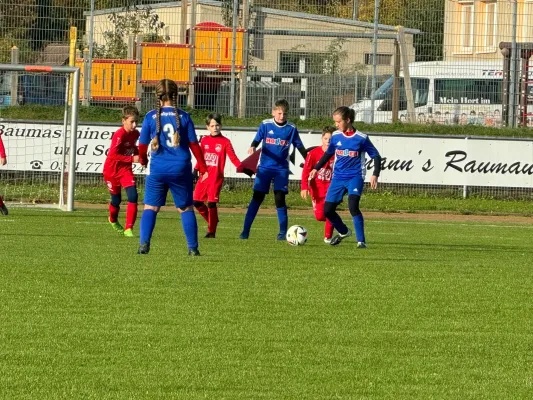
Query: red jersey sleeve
114	150
231	154
197	152
2	148
308	166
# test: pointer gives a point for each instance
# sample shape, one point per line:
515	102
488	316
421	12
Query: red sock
328	229
1	201
113	213
131	215
202	210
213	220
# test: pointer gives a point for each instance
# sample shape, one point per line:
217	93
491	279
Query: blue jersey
276	141
169	160
350	153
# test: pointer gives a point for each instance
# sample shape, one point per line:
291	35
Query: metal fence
451	62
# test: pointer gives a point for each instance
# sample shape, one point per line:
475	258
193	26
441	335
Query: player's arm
230	152
297	142
195	149
259	136
374	155
3	156
144	141
114	150
306	170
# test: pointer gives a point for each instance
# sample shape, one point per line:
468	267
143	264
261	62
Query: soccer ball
297	235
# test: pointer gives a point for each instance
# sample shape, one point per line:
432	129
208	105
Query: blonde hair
166	90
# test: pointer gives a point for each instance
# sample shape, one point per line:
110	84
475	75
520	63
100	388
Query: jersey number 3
169	131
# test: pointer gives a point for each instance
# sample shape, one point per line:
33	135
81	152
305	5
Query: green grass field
431	310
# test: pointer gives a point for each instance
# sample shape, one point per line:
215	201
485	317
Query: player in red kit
3	161
118	172
318	187
215	148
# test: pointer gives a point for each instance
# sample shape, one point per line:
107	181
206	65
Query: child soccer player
3	161
171	135
318	187
118	173
215	148
349	147
276	136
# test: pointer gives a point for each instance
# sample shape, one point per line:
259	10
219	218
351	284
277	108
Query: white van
458	92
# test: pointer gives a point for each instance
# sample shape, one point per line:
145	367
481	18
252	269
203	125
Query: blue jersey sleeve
296	141
370	149
146	130
260	135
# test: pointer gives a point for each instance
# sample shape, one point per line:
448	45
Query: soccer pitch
430	310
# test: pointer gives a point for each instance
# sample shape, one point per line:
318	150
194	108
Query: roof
271	11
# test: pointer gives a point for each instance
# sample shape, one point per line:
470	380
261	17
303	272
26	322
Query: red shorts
208	191
116	182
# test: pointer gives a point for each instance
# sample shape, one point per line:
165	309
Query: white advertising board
406	159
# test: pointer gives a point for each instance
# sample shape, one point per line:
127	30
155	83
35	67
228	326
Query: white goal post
69	132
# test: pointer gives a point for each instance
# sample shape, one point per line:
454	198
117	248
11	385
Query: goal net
40	166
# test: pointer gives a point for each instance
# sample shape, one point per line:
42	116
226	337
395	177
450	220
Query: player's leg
281	188
336	191
318	208
181	190
155	194
261	189
358	220
281	209
355	190
213	196
127	181
131	210
3	208
213	220
200	197
114	204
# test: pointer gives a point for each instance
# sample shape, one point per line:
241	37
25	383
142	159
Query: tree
132	21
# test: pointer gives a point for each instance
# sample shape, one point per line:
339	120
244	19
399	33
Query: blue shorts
157	187
339	187
264	177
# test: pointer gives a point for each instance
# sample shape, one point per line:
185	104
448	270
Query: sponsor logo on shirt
347	153
211	159
277	142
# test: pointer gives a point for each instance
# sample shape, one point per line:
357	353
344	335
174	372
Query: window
420	88
467	26
309	63
468	91
381	59
490	25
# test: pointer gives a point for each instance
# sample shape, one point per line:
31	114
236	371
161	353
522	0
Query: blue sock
337	223
283	220
253	207
190	227
147	225
359	225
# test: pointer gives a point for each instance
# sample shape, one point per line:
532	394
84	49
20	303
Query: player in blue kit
275	135
349	147
171	135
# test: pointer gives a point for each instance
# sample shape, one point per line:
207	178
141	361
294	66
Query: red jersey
318	186
120	155
215	150
2	148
